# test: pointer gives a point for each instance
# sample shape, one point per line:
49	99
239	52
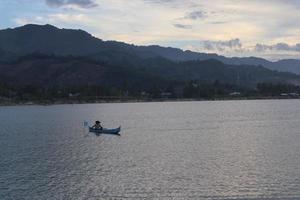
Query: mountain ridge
50	70
27	39
46	57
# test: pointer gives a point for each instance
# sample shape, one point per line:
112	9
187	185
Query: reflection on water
187	150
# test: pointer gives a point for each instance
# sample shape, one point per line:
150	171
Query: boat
115	131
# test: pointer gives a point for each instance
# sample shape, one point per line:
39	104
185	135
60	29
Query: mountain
50	40
174	54
47	57
46	71
62	71
288	65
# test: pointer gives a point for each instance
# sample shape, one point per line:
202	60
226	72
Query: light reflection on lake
175	150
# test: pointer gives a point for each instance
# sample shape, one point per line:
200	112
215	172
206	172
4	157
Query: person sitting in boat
97	125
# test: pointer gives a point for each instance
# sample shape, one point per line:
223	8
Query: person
97	125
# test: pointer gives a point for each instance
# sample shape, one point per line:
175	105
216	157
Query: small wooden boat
115	131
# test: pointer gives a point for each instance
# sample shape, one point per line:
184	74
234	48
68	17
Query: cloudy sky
265	28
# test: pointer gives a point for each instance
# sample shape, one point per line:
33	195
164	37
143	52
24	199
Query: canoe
115	131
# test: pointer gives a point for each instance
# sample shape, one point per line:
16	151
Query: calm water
187	150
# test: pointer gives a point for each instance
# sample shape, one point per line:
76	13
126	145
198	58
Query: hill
47	39
44	62
43	70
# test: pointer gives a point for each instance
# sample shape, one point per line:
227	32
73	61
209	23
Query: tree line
191	89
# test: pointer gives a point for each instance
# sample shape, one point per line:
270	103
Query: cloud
277	47
233	44
160	1
195	15
183	26
79	3
219	22
272	29
57	19
24	21
170	3
235	47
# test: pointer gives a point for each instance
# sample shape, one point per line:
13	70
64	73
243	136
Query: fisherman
97	125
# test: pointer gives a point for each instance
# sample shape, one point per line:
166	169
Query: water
186	150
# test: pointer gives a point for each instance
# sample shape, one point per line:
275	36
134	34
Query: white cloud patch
24	21
59	19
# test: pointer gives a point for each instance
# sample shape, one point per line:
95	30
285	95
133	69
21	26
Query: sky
262	28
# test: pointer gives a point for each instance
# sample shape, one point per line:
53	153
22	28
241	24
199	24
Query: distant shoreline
71	102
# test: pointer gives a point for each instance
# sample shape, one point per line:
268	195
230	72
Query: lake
172	150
